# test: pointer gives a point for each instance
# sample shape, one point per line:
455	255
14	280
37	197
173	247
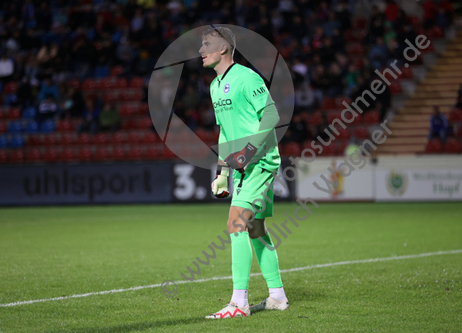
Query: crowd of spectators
46	43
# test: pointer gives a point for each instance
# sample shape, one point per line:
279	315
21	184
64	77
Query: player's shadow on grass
137	326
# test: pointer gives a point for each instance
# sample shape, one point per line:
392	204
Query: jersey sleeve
259	97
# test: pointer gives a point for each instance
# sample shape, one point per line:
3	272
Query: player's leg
269	265
241	254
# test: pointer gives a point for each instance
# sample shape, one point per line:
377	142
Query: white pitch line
363	261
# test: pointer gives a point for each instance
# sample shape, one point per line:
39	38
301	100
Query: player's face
210	51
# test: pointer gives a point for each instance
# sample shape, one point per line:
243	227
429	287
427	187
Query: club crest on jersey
226	88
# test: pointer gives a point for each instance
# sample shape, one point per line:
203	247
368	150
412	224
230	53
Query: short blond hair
224	33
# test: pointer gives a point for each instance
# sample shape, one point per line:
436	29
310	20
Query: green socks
268	261
241	252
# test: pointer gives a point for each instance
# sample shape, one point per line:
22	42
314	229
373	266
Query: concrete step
406	141
429	102
445	80
436	94
453	87
410	125
410	132
404	149
423	110
411	117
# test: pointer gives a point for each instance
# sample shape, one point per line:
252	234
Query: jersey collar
224	74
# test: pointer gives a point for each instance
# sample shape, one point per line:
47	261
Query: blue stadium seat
3	141
101	72
14	127
16	141
29	113
47	126
31	127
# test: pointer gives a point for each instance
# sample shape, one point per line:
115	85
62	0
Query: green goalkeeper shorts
251	192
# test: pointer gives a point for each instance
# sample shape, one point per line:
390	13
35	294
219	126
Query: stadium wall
404	178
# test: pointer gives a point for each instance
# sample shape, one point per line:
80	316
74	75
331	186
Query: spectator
438	125
320	83
47	109
336	81
6	69
351	79
49	88
46	55
331	24
378	54
304	96
429	14
90	118
459	98
109	119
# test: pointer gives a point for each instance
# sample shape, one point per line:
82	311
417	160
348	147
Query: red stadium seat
371	117
332	116
84	139
328	104
67	139
101	154
153	153
3	156
118	153
10	87
50	140
361	133
452	146
292	149
126	111
395	88
74	83
329	150
84	154
128	124
360	23
458	131
133	138
406	73
434	146
34	140
2	127
118	138
143	109
315	119
67	155
414	20
64	126
34	155
135	153
435	32
355	49
340	149
89	84
51	155
150	138
108	83
100	139
14	113
167	153
145	123
455	115
17	156
121	83
116	70
344	133
204	135
137	82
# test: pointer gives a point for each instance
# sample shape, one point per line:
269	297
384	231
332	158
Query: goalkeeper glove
239	160
220	184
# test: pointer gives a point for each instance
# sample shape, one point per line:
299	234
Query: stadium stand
66	71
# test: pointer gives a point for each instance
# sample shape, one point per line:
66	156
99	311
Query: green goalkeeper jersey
240	100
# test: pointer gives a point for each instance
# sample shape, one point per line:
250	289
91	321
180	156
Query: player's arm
220	183
260	100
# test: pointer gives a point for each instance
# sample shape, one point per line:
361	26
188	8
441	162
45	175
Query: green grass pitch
62	251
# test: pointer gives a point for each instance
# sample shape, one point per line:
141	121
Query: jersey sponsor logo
226	88
223	102
258	92
241	159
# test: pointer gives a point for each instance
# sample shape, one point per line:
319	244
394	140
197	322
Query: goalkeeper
247	117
